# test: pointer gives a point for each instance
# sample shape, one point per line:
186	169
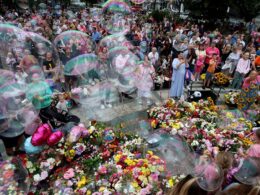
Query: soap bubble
71	44
116	6
116	24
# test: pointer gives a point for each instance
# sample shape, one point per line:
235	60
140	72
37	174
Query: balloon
41	135
31	149
54	138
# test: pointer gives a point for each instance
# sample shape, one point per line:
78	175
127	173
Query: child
144	80
199	66
10	61
62	104
20	76
210	71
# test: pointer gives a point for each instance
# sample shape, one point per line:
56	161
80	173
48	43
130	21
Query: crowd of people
236	54
180	53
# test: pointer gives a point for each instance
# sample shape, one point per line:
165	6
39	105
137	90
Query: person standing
153	56
178	75
243	67
212	49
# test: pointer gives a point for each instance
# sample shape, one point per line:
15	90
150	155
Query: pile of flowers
99	161
202	125
221	79
173	110
13	178
231	98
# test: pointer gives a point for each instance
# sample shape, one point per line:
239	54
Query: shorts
209	75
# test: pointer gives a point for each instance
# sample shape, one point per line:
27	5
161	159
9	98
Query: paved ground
125	108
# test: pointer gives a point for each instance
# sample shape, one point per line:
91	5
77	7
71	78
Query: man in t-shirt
49	66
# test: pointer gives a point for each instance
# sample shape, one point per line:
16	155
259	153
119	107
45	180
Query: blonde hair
224	159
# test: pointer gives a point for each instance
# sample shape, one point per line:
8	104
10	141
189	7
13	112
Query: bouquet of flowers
221	79
231	98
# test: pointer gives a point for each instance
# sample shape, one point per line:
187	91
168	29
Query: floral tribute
202	125
99	161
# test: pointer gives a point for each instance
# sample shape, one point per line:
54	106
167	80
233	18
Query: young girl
62	104
144	80
198	67
210	70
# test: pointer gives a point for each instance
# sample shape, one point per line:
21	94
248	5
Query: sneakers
102	106
149	102
109	105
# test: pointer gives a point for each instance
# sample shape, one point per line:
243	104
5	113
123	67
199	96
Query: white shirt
62	106
153	57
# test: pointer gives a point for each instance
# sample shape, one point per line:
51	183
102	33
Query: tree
217	9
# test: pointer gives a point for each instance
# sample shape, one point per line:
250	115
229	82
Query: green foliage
212	10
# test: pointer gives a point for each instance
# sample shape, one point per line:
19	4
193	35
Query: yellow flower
178	114
170	182
117	157
175	125
135	184
163	125
154	124
101	189
229	115
150	152
129	162
82	182
88	192
72	152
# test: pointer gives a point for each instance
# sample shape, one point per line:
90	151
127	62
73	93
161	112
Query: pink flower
102	170
44	175
154	177
69	174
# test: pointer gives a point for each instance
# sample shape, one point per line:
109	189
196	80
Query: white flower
44	175
37	178
118	186
195	143
50	160
29	164
173	131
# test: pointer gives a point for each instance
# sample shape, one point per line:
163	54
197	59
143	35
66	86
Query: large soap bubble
116	6
15	107
178	156
116	24
248	171
123	67
210	175
115	40
11	45
14	177
71	44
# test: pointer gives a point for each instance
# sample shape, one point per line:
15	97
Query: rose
69	174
